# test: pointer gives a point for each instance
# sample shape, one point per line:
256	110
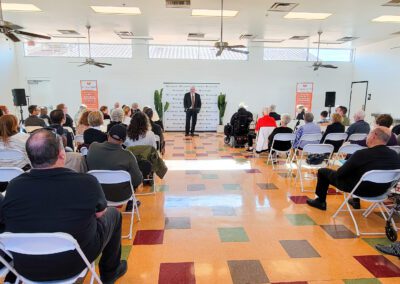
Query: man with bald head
376	157
51	198
192	105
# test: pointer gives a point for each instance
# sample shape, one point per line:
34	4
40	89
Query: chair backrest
395	148
30	129
79	138
111	177
350	149
285	137
336	137
381	176
318	149
357	137
315	137
262	138
11	154
84	151
7	174
158	141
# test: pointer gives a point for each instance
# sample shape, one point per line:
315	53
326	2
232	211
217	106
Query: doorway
358	97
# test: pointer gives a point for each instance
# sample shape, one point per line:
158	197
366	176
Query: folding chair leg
369	210
92	275
341	206
269	158
380	209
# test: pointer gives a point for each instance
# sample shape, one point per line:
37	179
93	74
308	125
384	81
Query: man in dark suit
376	157
192	105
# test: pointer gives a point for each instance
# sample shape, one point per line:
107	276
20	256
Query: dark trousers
190	114
326	177
250	138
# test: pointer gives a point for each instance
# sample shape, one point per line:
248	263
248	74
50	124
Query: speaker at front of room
330	98
19	97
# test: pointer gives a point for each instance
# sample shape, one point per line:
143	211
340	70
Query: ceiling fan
90	60
318	64
11	30
223	45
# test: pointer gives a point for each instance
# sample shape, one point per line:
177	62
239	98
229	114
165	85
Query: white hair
285	119
272	108
266	110
359	115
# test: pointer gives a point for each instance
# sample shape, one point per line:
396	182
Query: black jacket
187	102
275	116
242	112
336	127
64	132
93	135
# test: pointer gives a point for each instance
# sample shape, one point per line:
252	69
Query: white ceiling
350	18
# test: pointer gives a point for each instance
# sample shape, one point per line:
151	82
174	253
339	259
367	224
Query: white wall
8	73
380	65
255	82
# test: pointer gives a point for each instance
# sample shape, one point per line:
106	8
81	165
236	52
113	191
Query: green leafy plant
222	107
158	104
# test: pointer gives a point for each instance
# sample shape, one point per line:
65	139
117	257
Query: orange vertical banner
90	94
304	95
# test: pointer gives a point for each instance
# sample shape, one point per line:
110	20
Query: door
358	97
40	92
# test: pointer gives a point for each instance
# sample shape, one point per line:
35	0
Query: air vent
348	38
68	32
247	36
195	35
124	34
66	36
265	40
177	3
396	33
203	39
299	37
329	42
393	3
282	7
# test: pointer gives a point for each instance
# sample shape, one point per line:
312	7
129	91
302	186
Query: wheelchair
236	135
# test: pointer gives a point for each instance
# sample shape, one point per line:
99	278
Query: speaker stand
329	112
21	111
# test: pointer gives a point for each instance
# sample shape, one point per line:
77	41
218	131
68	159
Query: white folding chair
262	138
10	156
347	149
306	139
30	129
118	177
309	149
79	139
335	137
379	177
395	148
357	137
44	244
281	137
9	173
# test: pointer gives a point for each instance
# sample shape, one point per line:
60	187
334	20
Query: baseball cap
118	132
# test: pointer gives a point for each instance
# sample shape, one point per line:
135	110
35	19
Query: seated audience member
83	123
281	145
386	120
104	111
309	128
116	106
127	115
44	116
68	119
81	110
60	200
110	155
376	157
342	110
273	114
359	125
57	118
33	119
157	130
396	130
11	138
135	108
4	109
139	132
324	117
117	115
94	133
265	121
1	112
336	126
301	111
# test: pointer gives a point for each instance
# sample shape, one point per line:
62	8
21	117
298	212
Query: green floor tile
190	152
374	241
209	176
237	234
300	219
362	281
125	251
241	160
162	188
232	186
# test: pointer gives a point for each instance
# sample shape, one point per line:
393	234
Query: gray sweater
108	156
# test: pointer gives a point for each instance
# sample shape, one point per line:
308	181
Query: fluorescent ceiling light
214	13
20	7
116	10
387	19
307	16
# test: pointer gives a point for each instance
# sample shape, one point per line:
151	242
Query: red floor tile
149	237
379	266
299	199
177	273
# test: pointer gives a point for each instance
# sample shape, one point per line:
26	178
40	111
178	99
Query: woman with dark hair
139	133
386	120
104	111
11	138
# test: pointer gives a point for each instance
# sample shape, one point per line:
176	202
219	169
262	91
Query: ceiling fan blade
396	47
219	52
108	64
316	68
237	46
83	64
329	66
12	36
98	65
32	35
238	51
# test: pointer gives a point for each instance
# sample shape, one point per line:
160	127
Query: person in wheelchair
239	126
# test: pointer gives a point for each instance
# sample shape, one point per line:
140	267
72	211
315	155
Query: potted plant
221	107
158	104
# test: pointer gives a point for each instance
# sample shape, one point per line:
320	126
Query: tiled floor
242	222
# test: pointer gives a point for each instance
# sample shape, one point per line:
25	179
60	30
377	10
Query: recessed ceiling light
307	16
116	10
20	7
214	13
387	19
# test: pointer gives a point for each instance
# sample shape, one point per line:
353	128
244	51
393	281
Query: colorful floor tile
232	186
162	188
233	235
379	266
196	187
300	220
149	237
209	176
302	199
375	241
267	186
253	171
299	249
362	281
247	271
174	273
223	211
338	231
177	223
